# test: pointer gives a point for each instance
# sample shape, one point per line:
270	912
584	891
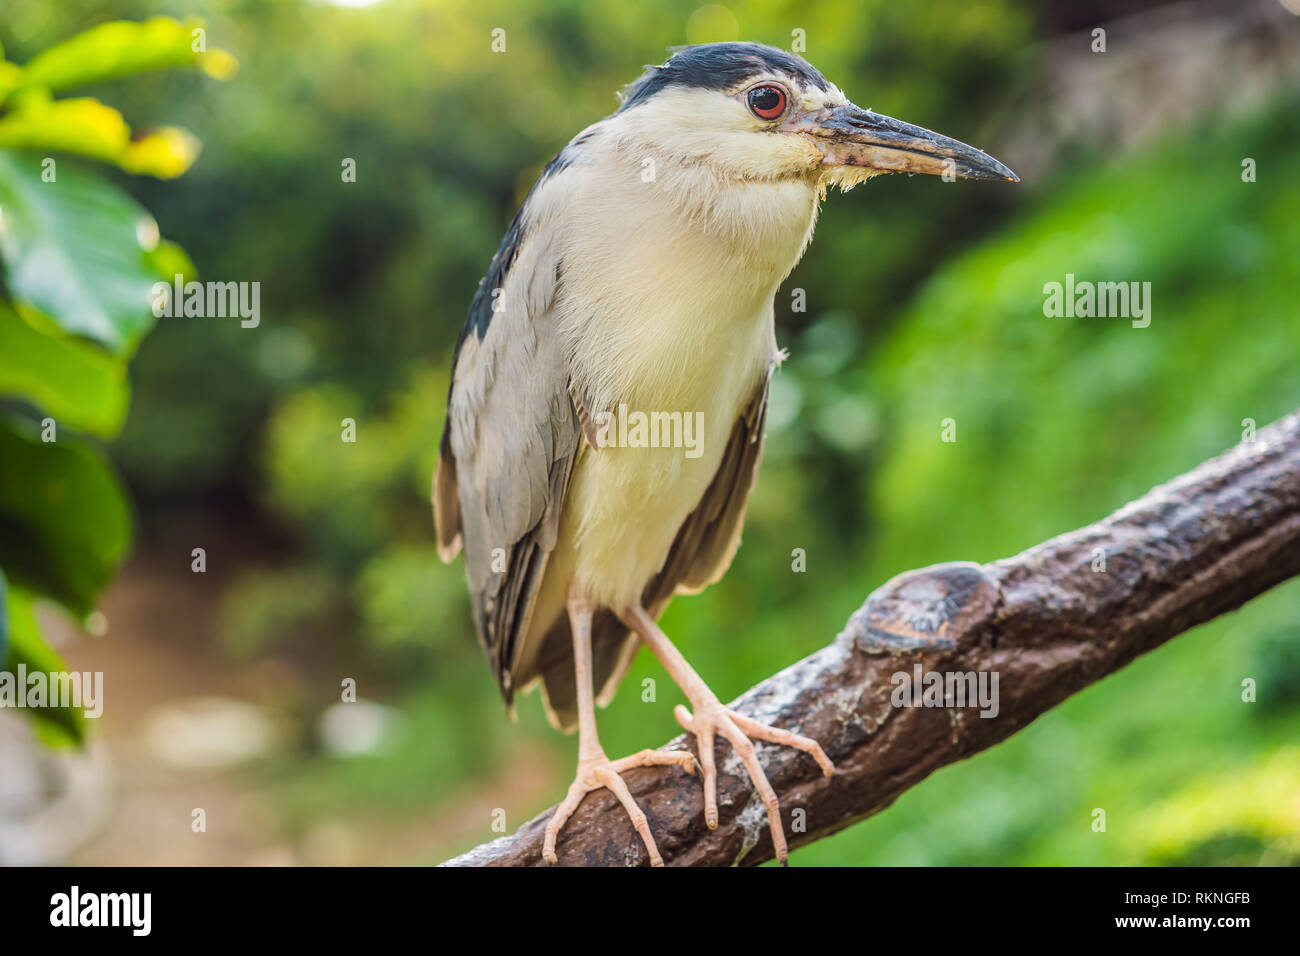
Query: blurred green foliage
1060	421
78	259
924	303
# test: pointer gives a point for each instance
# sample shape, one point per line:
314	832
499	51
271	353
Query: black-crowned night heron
605	418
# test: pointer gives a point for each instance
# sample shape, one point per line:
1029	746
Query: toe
745	750
656	758
558	819
616	786
684	718
709	769
752	728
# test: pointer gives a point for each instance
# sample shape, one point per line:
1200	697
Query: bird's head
755	113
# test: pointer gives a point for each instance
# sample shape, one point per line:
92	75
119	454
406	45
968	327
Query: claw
711	718
601	772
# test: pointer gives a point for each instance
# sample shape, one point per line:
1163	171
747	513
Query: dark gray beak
851	136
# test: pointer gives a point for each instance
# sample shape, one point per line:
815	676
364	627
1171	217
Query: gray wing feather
708	539
511	439
700	555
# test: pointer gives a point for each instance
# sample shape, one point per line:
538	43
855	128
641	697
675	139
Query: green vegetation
78	258
1061	421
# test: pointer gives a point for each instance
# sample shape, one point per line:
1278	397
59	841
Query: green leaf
77	250
70	380
4	616
10	76
55	725
87	127
169	260
64	524
122	48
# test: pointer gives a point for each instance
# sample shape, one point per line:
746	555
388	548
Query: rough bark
1046	621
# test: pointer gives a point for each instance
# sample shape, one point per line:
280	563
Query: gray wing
708	539
511	436
700	555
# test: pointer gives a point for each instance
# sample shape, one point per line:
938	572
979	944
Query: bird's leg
711	718
595	770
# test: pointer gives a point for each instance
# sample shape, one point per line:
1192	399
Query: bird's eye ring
767	101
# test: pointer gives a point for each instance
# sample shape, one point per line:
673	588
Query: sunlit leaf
77	250
83	125
165	152
56	726
122	48
87	127
4	617
10	75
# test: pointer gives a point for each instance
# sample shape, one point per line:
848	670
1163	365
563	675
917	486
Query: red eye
767	102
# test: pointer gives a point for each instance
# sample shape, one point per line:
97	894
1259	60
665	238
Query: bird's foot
599	771
711	719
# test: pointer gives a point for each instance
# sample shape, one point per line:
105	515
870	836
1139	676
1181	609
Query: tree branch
1045	621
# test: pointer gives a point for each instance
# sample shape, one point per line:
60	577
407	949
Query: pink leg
595	770
711	718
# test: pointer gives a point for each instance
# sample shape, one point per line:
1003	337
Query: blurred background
924	302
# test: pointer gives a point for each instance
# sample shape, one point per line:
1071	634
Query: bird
636	284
